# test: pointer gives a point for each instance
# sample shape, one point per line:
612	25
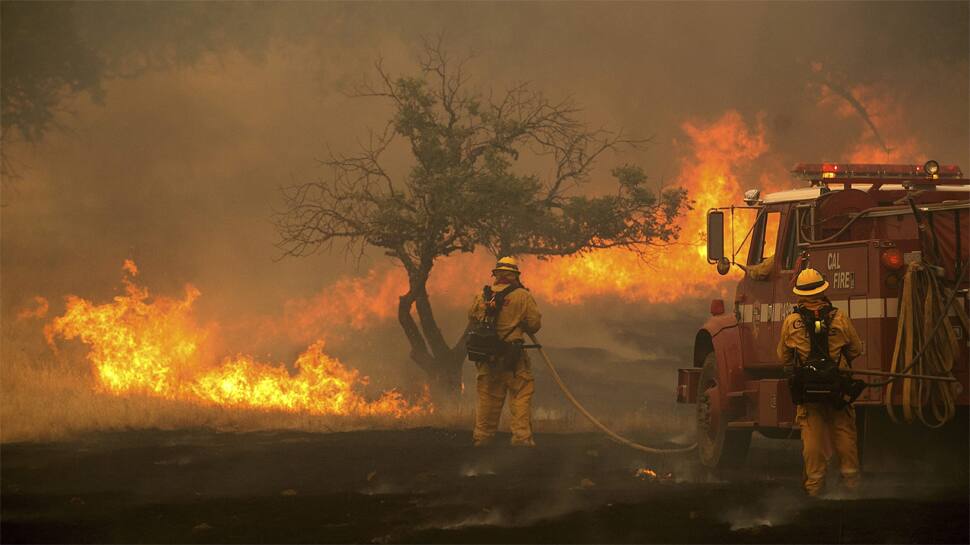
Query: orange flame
647	474
41	306
353	301
153	347
679	270
129	267
322	385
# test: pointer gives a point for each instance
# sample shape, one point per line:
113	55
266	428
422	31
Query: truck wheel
718	446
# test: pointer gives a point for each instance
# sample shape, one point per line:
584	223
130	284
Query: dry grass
47	405
48	397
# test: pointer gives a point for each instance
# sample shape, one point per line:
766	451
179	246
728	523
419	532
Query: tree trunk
442	363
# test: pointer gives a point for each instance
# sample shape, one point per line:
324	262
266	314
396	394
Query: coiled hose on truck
579	406
921	348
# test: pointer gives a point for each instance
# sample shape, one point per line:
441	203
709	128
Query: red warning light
892	258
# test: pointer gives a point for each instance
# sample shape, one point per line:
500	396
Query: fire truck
862	226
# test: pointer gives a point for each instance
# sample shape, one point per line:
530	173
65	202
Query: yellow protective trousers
494	383
824	429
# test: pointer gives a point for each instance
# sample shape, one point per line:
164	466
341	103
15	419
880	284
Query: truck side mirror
715	236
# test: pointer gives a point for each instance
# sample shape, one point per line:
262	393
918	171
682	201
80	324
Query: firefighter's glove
854	389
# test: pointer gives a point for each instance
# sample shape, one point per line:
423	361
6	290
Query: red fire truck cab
860	226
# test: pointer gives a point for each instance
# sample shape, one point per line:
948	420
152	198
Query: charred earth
429	485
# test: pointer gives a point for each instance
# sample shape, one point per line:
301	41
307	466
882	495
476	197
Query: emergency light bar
820	172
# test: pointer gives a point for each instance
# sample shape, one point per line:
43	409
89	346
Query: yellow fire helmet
507	264
810	282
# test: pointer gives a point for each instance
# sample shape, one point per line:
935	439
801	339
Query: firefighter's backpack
483	341
817	379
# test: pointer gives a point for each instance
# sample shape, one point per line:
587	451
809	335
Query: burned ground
429	485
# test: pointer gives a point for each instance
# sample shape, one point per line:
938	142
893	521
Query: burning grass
45	400
153	347
151	365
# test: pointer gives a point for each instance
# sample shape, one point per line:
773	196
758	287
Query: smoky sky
202	110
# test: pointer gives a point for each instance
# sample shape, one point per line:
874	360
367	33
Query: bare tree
461	193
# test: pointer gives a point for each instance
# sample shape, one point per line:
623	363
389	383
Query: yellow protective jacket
843	338
519	314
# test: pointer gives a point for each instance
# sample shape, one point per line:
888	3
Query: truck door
784	299
758	337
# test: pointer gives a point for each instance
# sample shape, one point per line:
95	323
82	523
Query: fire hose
921	349
579	406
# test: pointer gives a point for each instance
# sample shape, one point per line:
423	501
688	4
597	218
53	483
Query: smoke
776	507
179	166
201	111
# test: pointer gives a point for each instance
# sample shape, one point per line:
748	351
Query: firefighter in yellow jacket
823	425
510	374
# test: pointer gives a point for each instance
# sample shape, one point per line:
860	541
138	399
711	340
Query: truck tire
718	446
